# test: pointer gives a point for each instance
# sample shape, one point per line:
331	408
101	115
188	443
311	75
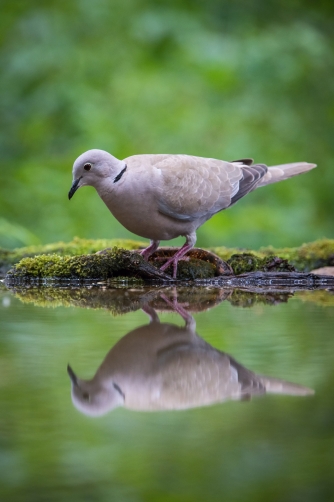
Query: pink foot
174	259
188	318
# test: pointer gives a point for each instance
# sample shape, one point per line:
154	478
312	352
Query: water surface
262	447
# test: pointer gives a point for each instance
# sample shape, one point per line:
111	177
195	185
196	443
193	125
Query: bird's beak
72	375
74	187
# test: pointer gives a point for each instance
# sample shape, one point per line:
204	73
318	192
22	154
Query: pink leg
151	313
189	244
146	253
190	321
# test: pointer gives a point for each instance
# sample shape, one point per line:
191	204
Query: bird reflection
161	366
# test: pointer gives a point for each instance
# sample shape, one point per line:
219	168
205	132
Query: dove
162	366
160	197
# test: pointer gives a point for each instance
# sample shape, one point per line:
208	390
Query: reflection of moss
117	301
3	287
321	297
240	298
120	300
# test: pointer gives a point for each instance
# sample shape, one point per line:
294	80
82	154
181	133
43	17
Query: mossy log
83	259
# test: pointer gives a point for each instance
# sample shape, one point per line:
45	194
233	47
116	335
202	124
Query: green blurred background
216	78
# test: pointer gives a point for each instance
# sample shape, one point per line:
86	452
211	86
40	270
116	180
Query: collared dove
161	197
162	366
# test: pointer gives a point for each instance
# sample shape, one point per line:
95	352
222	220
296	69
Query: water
263	447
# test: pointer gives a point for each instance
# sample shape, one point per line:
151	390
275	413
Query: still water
171	395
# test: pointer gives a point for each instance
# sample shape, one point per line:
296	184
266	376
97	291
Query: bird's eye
87	166
85	396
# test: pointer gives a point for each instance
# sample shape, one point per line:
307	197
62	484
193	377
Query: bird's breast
134	203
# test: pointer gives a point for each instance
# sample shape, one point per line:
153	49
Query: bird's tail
277	386
284	171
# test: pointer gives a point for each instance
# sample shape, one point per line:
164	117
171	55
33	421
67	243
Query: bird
163	196
162	366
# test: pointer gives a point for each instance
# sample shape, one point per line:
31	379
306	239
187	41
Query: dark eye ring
87	167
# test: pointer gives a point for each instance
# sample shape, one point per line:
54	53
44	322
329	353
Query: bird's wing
251	178
196	187
190	187
192	375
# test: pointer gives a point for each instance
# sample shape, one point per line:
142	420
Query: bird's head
92	167
92	398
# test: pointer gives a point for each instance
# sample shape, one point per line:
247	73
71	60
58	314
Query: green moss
304	258
308	256
77	259
248	262
113	263
73	248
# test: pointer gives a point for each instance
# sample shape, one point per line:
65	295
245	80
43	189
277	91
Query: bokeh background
225	79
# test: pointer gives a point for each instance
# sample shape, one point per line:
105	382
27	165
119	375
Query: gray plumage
161	197
162	366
